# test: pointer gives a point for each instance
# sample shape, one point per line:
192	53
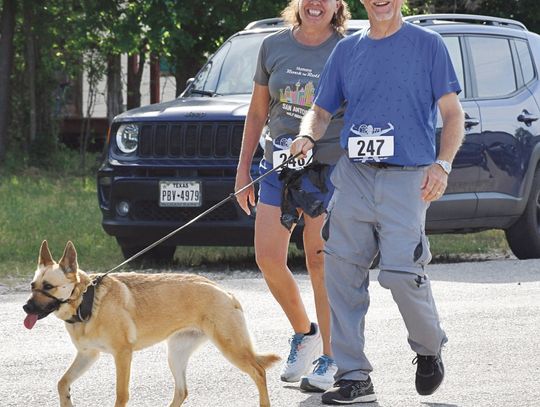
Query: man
393	77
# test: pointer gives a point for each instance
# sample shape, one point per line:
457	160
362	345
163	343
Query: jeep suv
166	163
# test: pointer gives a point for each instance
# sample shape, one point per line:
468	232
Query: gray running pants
377	210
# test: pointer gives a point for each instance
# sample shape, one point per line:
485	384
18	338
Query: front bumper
147	222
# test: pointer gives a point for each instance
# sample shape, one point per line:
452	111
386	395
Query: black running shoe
350	392
429	373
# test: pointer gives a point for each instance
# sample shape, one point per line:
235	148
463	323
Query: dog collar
84	311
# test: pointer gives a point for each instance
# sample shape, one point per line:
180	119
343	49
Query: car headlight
127	137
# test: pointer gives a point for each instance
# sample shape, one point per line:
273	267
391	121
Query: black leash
84	311
232	195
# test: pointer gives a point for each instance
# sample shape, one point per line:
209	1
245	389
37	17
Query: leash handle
274	169
217	205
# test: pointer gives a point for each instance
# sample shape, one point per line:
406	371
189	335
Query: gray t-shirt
292	71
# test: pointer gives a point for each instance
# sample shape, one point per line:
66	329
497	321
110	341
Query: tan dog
132	311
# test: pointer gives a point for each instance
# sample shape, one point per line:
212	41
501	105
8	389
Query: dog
120	313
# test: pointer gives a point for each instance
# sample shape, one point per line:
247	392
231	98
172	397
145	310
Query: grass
470	247
58	206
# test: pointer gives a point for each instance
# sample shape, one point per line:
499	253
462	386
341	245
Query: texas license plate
180	193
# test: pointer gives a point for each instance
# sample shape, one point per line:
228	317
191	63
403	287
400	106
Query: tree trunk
154	79
30	69
6	66
114	86
135	71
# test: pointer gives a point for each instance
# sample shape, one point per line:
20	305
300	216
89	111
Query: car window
454	49
231	69
492	66
209	75
525	60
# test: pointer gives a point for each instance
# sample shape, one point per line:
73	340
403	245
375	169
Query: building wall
167	86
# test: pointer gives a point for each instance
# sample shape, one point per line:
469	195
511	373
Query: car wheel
524	236
162	255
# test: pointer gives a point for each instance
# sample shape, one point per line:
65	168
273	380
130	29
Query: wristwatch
445	165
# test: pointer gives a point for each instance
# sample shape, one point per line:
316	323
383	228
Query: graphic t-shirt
292	71
391	86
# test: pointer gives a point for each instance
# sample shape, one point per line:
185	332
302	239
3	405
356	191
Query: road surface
490	311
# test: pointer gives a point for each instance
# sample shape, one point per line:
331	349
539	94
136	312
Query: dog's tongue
30	321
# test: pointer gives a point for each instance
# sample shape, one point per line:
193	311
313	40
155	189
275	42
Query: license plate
180	193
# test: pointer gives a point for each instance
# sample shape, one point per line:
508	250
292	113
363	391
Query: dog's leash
232	195
84	311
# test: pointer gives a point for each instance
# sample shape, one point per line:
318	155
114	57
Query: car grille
151	211
191	140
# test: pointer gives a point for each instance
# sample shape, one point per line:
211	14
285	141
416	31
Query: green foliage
185	35
357	9
72	36
57	30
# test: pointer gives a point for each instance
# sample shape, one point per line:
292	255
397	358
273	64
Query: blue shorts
270	187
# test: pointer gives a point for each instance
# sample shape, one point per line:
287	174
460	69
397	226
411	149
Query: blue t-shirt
392	86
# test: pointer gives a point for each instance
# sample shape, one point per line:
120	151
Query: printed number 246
294	163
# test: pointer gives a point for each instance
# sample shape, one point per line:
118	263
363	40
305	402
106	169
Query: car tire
524	236
162	255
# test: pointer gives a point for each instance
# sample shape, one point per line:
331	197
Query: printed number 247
370	147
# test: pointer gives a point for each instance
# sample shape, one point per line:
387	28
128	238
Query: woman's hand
246	198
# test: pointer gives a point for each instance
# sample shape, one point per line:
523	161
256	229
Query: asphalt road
490	311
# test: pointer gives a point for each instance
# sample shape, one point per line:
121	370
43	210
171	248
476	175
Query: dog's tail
267	360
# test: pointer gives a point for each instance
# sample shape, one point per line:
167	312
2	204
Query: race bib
370	148
280	156
370	143
282	152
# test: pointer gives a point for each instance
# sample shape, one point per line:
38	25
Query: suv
166	163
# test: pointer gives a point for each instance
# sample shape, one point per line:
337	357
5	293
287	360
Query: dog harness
84	311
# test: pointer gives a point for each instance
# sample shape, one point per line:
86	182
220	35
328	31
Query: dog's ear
45	258
68	262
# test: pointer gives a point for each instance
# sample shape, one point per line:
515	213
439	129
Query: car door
460	200
509	116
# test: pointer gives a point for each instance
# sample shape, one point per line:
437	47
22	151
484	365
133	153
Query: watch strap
445	165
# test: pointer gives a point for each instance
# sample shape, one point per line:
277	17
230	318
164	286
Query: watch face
445	166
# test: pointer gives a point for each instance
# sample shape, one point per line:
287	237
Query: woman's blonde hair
291	15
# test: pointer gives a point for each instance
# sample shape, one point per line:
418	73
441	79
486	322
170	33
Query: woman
288	68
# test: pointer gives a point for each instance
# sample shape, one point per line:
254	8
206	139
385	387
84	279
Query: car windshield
230	70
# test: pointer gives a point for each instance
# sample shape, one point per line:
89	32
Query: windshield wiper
203	92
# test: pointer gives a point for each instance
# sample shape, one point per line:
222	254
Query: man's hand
434	183
301	145
245	198
312	128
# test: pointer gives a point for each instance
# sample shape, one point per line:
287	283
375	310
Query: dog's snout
29	307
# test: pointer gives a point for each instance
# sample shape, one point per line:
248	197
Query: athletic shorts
270	187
